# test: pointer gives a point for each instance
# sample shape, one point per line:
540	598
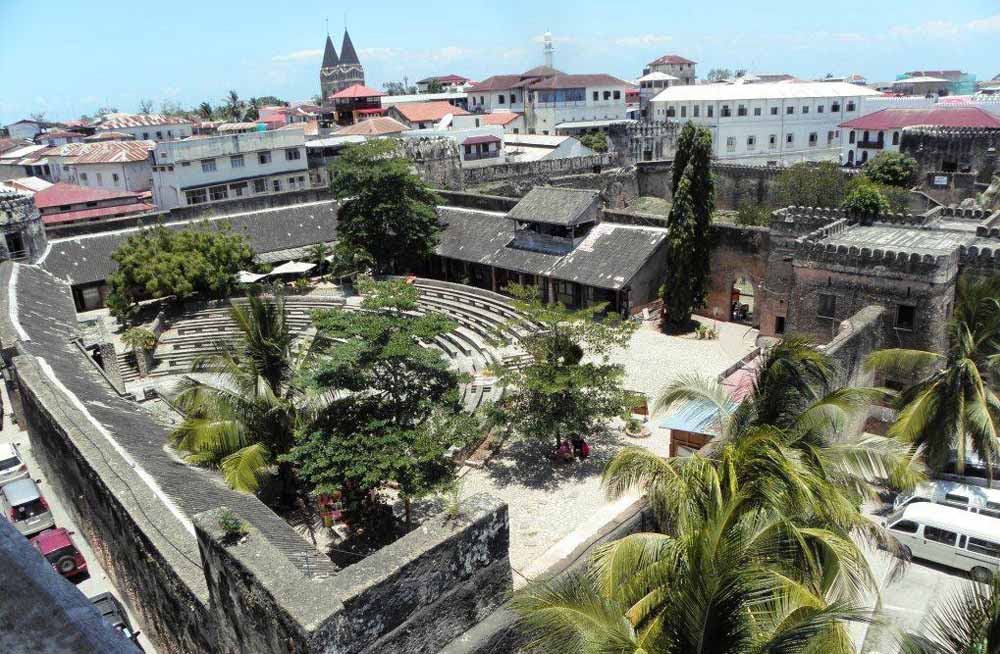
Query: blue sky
67	58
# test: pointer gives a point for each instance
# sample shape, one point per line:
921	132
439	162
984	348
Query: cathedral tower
337	73
328	71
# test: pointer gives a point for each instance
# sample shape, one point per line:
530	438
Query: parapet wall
857	337
538	169
961	149
735	184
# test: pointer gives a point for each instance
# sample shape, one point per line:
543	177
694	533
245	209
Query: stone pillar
493	279
109	359
144	361
553	298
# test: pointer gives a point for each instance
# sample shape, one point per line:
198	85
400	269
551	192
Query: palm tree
739	580
241	412
954	402
206	111
317	255
252	109
966	623
234	107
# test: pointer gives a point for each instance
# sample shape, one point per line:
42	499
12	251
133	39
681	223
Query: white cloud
989	24
640	40
440	55
848	37
299	55
931	29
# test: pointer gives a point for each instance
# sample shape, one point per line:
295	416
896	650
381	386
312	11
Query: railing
873	145
476	156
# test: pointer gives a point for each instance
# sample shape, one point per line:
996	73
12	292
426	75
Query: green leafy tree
242	415
139	339
559	393
718	74
434	86
953	404
160	262
271	101
753	215
317	255
386	209
808	184
596	141
172	108
892	169
395	399
967	622
689	222
865	200
399	88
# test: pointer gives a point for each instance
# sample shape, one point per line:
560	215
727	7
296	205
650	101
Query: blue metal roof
696	417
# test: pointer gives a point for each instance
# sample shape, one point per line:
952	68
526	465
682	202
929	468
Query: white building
551	101
512	123
675	66
58	137
784	122
24	129
111	165
538	147
217	168
146	127
477	146
445	83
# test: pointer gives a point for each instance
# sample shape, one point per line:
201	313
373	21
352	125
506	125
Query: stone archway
743	301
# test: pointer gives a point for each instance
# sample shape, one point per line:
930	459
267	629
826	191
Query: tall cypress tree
688	245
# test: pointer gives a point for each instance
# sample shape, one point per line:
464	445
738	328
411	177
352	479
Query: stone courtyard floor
552	504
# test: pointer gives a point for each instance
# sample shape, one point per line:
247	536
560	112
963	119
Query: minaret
328	71
549	50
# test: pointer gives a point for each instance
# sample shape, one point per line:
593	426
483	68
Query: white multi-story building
784	122
553	102
218	168
674	65
147	127
112	165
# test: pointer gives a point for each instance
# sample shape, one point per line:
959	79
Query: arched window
895	138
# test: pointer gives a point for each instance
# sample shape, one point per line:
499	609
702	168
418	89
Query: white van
985	501
949	536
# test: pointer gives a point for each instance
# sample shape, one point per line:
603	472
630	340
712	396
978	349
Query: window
513	98
827	306
711	111
114	178
697	110
263	158
65	168
159	135
198	196
779	325
895	138
959	501
145	136
731	144
218	193
170	133
835	107
981	546
597	96
276	185
741	110
293	154
850	106
236	161
185	164
805	108
851	137
813	139
617	95
906	316
725	113
772	141
482	100
684	112
751	142
500	98
239	190
829	137
607	95
789	138
905	526
260	186
208	165
670	112
774	111
756	111
789	110
100	180
940	535
83	178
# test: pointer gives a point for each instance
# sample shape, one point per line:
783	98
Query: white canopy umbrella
292	268
246	277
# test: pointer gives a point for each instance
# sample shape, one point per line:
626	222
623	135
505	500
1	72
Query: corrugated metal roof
114	152
120	121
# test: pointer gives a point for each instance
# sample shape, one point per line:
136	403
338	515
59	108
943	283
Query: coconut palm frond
901	363
968	622
244	467
696	388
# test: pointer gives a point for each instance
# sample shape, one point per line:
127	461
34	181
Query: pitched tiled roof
500	117
347	53
541	71
330	58
86	259
496	83
373	127
577	81
670	59
100	212
477	140
120	121
556	206
63	193
939	116
357	91
111	152
443	78
418	112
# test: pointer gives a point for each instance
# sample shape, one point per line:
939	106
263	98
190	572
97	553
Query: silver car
12	465
24	506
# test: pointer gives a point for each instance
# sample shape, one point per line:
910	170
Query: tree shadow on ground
682	329
528	462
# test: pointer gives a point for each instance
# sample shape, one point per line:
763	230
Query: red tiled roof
372	111
357	91
373	127
444	78
949	116
63	193
419	112
501	118
113	152
670	59
488	138
577	81
496	83
99	212
59	134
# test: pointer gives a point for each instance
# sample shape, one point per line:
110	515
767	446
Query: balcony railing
873	145
476	156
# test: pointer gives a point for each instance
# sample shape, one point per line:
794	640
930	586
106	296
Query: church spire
330	54
347	53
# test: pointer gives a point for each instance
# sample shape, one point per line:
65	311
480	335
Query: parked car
12	466
985	501
114	614
24	505
57	546
953	537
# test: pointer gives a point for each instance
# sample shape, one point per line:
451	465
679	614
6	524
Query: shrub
596	141
808	184
232	525
139	339
753	215
866	200
892	169
706	333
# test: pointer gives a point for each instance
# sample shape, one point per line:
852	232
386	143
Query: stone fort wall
940	149
735	184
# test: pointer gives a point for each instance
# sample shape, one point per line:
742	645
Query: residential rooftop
762	91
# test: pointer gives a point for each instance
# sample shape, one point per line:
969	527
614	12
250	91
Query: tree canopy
688	244
386	210
559	393
865	199
808	184
596	141
892	169
160	262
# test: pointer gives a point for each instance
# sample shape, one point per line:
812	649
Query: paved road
97	581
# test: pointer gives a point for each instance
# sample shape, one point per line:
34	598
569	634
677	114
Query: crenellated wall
959	149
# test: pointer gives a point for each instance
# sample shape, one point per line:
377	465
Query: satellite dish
445	121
